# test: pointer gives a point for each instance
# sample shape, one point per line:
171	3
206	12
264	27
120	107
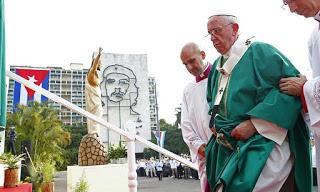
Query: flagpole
157	116
3	95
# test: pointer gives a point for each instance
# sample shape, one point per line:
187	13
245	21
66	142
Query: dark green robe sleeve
273	106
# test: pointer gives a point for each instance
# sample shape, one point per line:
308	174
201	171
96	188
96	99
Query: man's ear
235	28
203	55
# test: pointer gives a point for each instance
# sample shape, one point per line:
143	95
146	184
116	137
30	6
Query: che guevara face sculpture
117	86
119	83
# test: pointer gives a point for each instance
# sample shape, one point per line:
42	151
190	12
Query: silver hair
231	19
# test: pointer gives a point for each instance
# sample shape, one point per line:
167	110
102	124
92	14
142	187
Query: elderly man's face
306	8
117	86
222	34
193	61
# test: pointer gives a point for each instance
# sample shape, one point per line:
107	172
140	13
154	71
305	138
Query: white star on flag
32	79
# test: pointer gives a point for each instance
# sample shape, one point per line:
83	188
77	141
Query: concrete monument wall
125	94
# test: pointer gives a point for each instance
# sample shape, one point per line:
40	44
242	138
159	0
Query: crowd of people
166	167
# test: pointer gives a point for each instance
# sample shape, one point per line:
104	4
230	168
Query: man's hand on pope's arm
244	130
292	85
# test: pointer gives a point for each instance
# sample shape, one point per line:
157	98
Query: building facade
153	103
70	85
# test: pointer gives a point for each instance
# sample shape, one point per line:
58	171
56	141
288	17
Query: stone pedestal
91	151
101	178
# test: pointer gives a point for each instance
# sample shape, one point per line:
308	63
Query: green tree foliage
71	152
173	141
39	124
116	152
82	185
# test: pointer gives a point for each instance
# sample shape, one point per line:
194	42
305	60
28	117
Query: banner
22	95
161	138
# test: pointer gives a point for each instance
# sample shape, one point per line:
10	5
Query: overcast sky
57	32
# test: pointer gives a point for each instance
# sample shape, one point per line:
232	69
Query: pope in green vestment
253	92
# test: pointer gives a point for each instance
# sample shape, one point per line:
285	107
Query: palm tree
40	124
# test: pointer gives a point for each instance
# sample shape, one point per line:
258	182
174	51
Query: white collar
317	16
228	53
237	45
232	49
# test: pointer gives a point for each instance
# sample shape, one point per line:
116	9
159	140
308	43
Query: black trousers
11	148
159	173
289	184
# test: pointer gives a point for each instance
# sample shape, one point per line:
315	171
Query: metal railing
130	135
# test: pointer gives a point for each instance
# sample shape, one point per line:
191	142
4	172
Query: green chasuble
253	91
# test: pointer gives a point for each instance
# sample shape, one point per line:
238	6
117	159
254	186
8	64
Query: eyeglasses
217	30
286	2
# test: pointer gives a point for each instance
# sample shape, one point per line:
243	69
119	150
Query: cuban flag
160	138
22	95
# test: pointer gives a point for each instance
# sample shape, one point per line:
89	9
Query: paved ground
144	184
147	184
167	185
60	181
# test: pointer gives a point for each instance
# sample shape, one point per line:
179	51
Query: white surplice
279	163
195	123
312	87
311	91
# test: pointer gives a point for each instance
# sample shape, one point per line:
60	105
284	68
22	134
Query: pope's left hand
292	85
244	130
202	151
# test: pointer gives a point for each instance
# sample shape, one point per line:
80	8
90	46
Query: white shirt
159	166
142	164
173	164
194	116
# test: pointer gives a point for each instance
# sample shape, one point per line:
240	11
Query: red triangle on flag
34	75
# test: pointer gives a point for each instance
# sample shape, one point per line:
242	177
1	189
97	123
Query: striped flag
22	95
161	138
3	100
